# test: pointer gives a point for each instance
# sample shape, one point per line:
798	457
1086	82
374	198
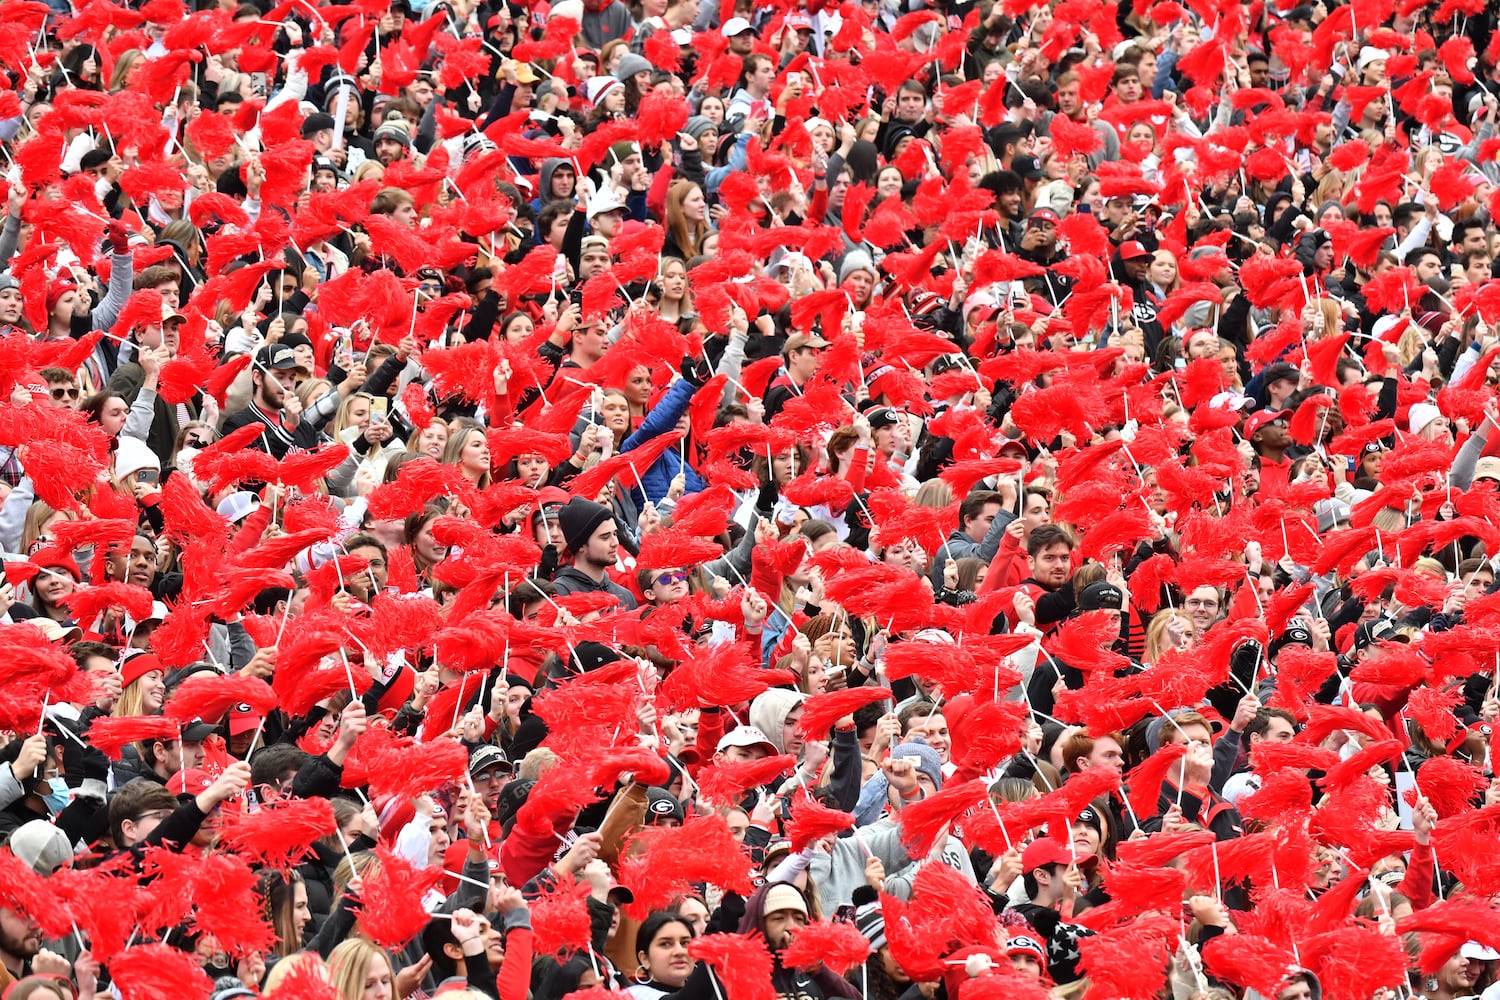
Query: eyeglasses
156	814
59	393
493	774
667	579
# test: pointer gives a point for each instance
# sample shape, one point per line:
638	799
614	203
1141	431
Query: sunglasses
60	393
667	579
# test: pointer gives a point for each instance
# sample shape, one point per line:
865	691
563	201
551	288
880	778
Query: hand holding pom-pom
977	965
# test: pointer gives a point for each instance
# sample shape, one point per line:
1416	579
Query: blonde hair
341	418
1176	267
344	871
367	170
37	516
536	763
128	60
933	493
1333	318
1156	633
132	700
350	963
457	438
302	961
1431	567
313	389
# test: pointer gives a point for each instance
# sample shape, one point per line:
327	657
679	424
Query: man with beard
20	943
777	911
274	404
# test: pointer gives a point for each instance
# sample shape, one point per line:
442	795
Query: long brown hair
687	240
278	905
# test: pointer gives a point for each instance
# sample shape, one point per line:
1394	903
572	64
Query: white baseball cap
745	736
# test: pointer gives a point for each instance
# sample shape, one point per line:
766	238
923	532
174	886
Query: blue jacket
662	420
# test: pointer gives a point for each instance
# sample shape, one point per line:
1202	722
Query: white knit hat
597	86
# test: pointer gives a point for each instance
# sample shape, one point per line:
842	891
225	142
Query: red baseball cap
189	782
1260	418
1133	250
243	719
1046	851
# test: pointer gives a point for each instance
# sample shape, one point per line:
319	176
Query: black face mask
215	971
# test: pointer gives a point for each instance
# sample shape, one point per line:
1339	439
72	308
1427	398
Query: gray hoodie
839	873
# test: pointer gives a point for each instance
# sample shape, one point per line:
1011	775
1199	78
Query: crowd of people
735	501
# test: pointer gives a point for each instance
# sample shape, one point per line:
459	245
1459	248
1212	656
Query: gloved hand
765	501
119	237
83	763
696	371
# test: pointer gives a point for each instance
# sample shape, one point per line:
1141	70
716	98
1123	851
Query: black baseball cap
278	357
1029	167
1101	596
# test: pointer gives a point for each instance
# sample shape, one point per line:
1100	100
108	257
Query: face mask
60	795
214	970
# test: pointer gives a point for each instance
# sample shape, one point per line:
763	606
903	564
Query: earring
1430	984
643	977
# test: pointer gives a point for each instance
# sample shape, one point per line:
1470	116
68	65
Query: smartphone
1084	208
844	914
151	477
343	352
379	407
575	296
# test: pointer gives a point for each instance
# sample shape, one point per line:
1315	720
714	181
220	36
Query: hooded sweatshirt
792	983
768	713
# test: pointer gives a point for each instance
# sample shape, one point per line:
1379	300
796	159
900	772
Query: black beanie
578	518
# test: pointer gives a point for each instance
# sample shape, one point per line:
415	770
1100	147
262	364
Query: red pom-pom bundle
390	902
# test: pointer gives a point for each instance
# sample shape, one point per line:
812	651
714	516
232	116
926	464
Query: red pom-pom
727	783
209	697
152	971
390	904
701	850
280	834
742	964
838	946
812	820
110	734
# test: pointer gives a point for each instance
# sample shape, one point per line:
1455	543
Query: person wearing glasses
663	586
1266	430
62	386
146	813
